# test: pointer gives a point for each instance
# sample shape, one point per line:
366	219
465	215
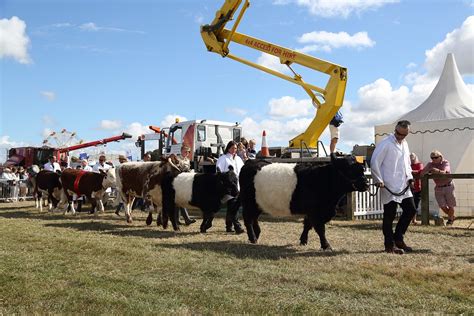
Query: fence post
425	200
351	205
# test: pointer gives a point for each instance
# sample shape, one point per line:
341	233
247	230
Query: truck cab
206	138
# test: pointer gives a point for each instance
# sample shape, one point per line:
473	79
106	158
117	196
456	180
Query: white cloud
136	129
49	95
110	125
272	62
290	107
92	27
339	8
48	120
326	41
236	111
199	18
14	41
170	119
459	42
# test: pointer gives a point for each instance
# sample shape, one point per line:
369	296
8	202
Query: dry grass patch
52	263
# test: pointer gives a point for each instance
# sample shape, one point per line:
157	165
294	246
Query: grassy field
51	263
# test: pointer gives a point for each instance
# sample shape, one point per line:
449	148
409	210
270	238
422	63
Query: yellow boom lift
327	100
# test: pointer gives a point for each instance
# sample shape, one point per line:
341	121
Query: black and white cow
281	189
205	191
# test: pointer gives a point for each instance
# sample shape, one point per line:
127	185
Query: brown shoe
394	250
403	246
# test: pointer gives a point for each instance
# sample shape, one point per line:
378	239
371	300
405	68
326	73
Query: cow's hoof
203	230
327	249
129	220
303	243
253	241
149	220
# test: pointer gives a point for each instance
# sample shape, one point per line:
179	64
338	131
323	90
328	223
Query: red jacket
416	168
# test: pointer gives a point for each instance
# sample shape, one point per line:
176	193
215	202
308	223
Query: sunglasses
435	157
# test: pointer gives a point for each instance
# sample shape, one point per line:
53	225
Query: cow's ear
101	171
231	168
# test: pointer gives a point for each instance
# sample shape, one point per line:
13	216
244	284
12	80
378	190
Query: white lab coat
97	167
227	160
391	165
52	166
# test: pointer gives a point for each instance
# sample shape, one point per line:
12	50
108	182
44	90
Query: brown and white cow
46	182
90	184
146	179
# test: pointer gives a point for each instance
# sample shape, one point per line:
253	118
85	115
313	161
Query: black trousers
416	198
231	217
389	212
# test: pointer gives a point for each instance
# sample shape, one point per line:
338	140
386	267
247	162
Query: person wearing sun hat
444	188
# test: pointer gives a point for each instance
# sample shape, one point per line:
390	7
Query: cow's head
228	183
109	180
351	172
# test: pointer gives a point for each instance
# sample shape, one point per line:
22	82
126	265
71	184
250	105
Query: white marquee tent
444	121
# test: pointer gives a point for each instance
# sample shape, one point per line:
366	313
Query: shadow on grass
122	230
253	251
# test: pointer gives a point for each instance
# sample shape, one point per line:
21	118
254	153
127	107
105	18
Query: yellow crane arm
328	100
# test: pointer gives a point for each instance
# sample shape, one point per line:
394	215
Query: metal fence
14	191
361	205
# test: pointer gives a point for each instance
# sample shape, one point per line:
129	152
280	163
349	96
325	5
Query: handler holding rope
391	172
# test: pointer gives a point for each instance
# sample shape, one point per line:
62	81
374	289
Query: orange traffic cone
264	152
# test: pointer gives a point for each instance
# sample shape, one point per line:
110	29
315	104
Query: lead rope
390	191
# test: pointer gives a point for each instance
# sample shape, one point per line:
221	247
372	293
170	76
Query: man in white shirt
101	165
391	171
230	158
52	165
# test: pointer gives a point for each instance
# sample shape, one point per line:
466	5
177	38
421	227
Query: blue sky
100	68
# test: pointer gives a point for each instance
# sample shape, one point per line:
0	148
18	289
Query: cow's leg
128	207
70	205
174	218
320	228
149	219
306	228
208	216
101	205
249	214
256	227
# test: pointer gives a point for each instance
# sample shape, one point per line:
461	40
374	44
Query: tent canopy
450	99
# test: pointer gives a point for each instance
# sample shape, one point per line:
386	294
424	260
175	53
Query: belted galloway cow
90	184
204	191
281	189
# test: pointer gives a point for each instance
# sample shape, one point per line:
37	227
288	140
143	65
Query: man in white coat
52	165
231	159
391	172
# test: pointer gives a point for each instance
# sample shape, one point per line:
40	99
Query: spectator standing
242	151
391	170
416	168
23	176
85	165
52	165
444	188
231	159
334	130
251	152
